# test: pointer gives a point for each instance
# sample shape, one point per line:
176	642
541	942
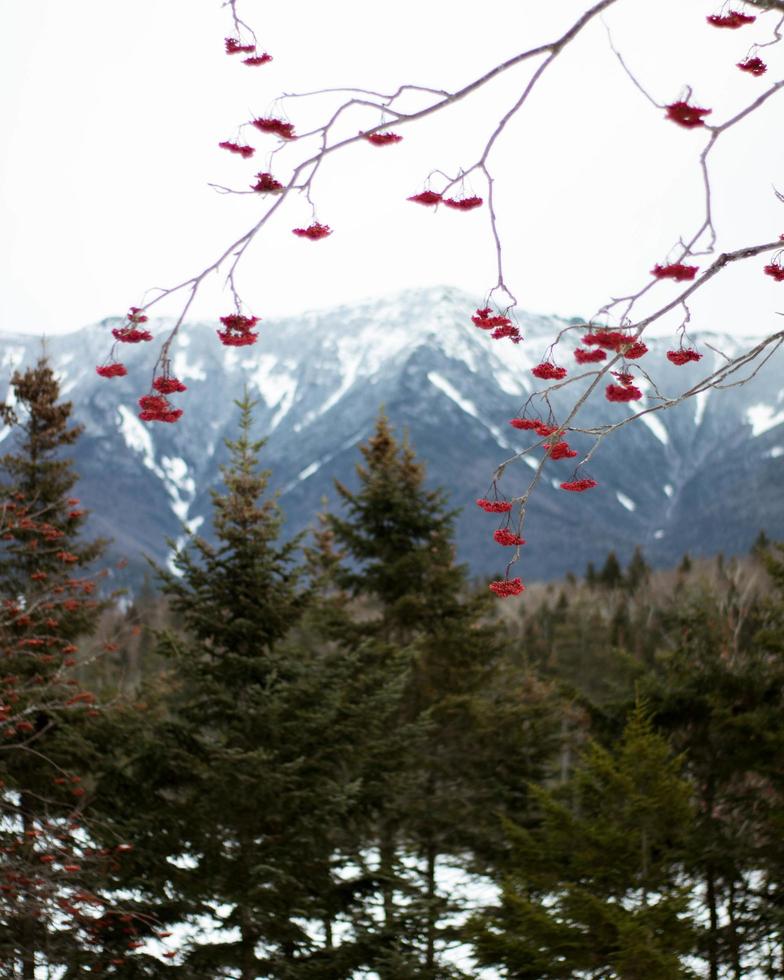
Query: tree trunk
734	935
27	930
387	849
248	939
713	929
430	935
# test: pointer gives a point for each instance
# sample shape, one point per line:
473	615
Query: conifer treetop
243	593
397	531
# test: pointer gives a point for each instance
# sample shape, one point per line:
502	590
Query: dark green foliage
596	889
48	603
472	726
253	762
611	574
637	572
720	693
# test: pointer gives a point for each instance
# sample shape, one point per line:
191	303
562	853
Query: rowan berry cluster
313	232
501	326
157	408
382	139
548	371
238	330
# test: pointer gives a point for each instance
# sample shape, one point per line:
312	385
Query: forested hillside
336	757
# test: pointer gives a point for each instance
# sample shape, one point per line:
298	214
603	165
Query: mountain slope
702	477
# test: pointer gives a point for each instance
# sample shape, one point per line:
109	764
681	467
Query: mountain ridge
701	477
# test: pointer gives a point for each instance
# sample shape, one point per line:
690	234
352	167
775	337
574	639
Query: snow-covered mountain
703	477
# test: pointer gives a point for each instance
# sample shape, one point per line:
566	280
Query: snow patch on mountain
187	370
177	483
443	385
12	357
657	427
309	471
625	501
137	438
701	398
273	382
762	418
173	471
468	407
350	361
509	383
771	453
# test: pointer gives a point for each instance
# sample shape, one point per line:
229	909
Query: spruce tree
611	575
718	692
637	571
47	762
595	890
248	770
466	721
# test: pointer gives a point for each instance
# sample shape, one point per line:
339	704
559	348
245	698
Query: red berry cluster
733	19
505	537
113	370
560	450
167	385
278	127
501	326
775	270
506	587
313	232
382	139
623	392
609	339
688	116
158	408
537	425
243	151
589	356
578	486
463	203
683	356
548	371
238	330
266	184
233	46
676	271
754	66
131	333
494	506
257	59
428	198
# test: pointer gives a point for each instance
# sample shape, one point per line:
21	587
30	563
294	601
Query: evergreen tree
47	760
638	571
468	751
686	564
249	769
719	693
611	575
595	890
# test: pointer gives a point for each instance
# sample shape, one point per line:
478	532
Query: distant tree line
336	757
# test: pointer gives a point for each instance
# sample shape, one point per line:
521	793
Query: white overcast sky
112	111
